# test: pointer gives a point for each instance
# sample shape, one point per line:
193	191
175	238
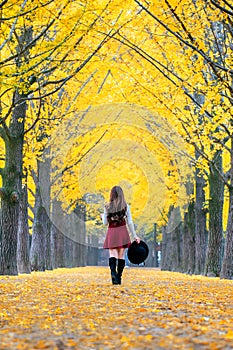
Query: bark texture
37	256
13	137
200	225
227	264
44	168
215	238
189	240
11	191
23	248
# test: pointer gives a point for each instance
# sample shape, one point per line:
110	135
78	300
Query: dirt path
80	309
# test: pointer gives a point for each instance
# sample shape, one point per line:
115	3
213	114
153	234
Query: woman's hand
137	239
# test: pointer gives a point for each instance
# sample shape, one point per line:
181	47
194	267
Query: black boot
112	264
120	268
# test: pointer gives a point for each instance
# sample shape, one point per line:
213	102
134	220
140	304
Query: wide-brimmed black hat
138	252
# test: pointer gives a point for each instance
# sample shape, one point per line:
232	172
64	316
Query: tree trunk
185	258
60	249
92	252
227	265
70	244
164	244
176	252
190	246
76	254
200	225
37	258
46	225
0	233
80	235
23	262
215	239
83	252
40	253
45	186
167	250
54	232
9	226
11	192
13	136
57	237
173	239
68	252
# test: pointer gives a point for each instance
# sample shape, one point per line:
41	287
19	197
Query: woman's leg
120	253
113	254
121	264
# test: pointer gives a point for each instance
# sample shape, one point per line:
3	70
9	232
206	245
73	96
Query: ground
80	309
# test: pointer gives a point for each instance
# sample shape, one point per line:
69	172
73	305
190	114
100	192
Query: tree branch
4	131
36	120
222	8
151	60
3	3
67	168
12	28
179	37
29	45
205	156
26	12
193	41
65	80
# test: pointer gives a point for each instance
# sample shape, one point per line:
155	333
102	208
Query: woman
116	215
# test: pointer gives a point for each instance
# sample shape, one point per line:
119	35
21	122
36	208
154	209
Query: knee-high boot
120	268
112	265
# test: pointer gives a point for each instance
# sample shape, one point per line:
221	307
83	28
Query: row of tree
200	244
42	49
56	57
181	250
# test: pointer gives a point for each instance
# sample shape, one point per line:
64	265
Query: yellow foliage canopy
141	73
120	144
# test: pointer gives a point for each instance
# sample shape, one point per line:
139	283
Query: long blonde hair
117	200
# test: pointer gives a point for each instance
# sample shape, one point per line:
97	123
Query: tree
23	263
35	64
206	62
215	239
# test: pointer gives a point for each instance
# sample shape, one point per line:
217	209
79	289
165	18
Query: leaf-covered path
80	309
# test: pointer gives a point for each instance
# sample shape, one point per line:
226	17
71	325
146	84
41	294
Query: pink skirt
117	237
